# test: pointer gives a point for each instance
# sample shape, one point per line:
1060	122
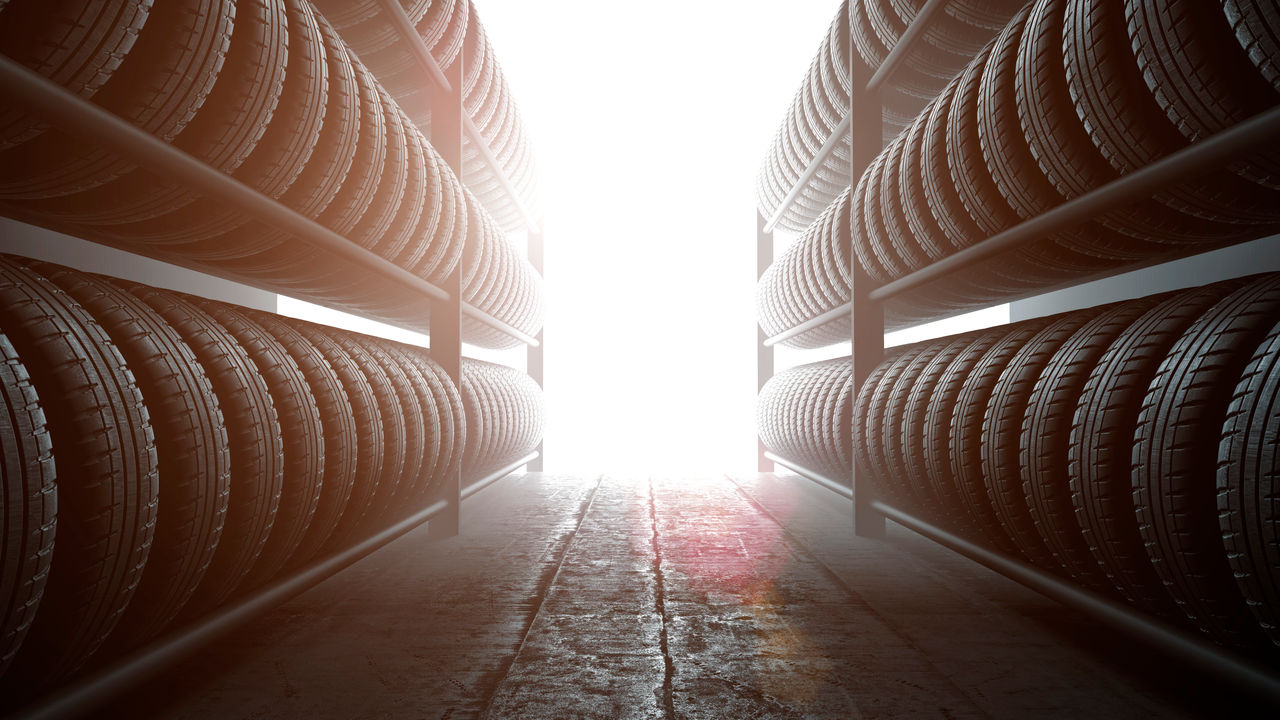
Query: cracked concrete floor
669	598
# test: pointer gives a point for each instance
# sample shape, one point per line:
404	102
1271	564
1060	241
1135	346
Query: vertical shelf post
764	354
866	316
534	353
446	317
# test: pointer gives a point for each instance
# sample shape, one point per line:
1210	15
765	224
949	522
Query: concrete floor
665	598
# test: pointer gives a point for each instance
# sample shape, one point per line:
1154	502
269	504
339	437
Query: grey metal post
446	317
534	353
764	353
866	316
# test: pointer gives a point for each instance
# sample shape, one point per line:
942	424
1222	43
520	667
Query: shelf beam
1201	157
496	475
81	697
837	313
1170	640
34	93
919	24
828	147
813	476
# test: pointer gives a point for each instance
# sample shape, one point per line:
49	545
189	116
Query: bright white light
978	320
649	123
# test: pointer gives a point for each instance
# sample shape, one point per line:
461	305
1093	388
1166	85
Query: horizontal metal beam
1203	156
32	92
481	145
813	322
480	316
906	43
1172	641
400	20
497	475
81	697
812	475
828	147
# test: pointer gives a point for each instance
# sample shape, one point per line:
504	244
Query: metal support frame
764	348
446	318
866	315
535	353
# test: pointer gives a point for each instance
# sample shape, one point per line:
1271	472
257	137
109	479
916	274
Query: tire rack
21	87
866	317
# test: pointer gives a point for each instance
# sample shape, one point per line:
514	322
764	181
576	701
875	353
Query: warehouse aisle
619	598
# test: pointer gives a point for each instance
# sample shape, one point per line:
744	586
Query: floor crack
660	606
545	583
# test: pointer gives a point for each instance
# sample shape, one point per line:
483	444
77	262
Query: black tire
76	45
982	209
423	427
967	435
1202	79
1002	431
386	392
158	86
504	414
361	183
253	440
30	496
1175	455
107	480
1083	249
863	462
1045	439
935	431
319	183
222	133
1248	469
301	434
370	448
914	437
380	215
872	404
1101	445
893	435
448	407
1256	24
206	229
1127	125
400	241
191	450
338	425
1067	156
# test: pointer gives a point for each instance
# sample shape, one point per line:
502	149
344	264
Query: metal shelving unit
20	87
867	324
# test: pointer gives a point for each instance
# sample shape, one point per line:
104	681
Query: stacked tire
167	454
953	36
452	32
1129	447
804	415
504	414
266	92
1071	95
